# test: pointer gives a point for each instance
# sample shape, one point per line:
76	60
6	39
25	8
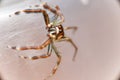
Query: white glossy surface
98	40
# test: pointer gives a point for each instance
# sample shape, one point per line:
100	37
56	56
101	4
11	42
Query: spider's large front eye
52	33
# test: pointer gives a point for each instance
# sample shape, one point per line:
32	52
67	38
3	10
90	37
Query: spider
55	34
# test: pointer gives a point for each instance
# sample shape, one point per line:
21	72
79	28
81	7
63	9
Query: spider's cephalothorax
55	33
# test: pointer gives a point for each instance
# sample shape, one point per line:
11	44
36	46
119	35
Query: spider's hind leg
58	61
73	44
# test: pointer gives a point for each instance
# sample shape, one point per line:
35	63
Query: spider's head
55	31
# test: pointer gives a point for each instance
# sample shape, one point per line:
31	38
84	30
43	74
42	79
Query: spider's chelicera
55	34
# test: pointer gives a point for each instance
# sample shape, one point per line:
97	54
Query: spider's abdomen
56	32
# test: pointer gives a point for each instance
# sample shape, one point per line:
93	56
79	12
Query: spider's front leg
46	17
56	11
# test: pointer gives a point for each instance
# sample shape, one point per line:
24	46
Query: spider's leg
71	27
31	47
58	61
73	44
41	56
46	6
57	7
46	17
56	11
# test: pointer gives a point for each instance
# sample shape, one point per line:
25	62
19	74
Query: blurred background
97	38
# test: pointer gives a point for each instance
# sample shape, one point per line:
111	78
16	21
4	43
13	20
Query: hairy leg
58	61
74	28
46	17
73	44
41	56
56	11
31	47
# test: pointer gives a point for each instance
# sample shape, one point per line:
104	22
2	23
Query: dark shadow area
119	2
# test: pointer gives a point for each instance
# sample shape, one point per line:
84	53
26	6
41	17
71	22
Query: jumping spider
55	34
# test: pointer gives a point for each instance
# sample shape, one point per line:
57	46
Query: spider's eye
53	33
51	30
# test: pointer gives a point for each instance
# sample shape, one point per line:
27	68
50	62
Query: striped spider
55	34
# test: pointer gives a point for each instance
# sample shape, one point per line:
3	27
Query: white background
97	38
